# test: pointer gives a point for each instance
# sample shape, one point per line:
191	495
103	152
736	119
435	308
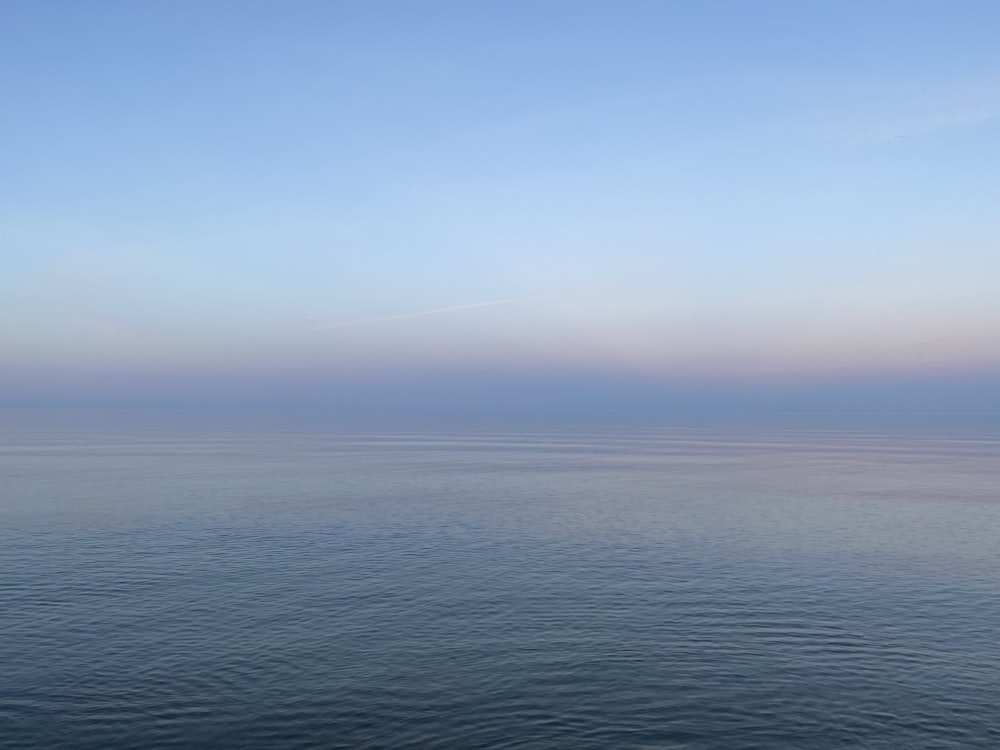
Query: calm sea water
195	580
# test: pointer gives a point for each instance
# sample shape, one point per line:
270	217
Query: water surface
201	580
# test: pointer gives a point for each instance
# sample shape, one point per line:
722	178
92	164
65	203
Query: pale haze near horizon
334	202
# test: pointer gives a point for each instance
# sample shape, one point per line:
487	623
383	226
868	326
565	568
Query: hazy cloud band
419	314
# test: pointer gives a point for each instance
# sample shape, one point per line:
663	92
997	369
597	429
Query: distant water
194	581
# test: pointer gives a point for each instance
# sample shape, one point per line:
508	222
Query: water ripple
672	590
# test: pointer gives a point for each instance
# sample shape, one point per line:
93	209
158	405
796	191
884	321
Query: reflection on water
181	581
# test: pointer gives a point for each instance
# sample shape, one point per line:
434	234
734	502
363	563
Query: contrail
420	314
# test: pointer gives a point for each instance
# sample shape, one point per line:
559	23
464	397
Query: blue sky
287	201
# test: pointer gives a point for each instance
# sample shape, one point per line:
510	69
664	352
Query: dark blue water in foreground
191	581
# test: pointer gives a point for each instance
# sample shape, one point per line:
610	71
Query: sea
208	579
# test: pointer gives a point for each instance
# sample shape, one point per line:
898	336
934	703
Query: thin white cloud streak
419	314
929	110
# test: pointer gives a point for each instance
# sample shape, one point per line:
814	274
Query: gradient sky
213	202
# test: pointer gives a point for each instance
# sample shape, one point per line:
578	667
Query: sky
377	204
